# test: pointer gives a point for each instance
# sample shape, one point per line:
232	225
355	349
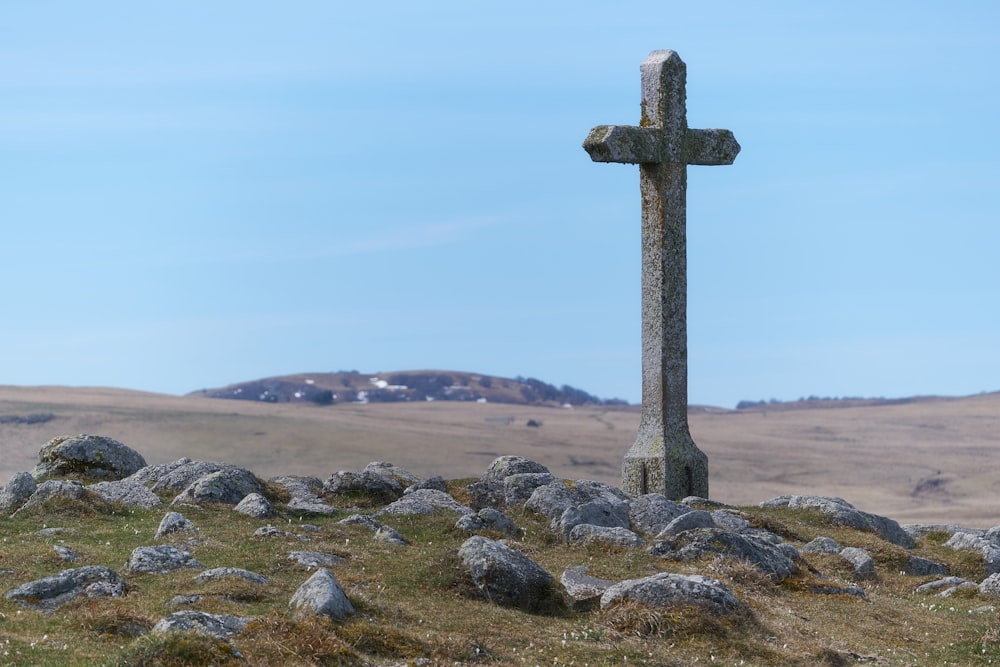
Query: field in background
927	461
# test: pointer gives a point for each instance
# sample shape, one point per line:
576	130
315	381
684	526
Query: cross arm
634	145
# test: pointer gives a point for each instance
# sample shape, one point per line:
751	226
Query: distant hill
404	386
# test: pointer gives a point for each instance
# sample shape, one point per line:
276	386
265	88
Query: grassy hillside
924	461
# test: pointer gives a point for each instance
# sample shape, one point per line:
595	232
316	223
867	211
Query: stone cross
664	458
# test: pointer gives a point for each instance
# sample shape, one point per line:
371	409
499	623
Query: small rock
583	590
255	505
488	519
160	560
505	576
617	536
651	513
860	560
922	567
51	592
687	521
424	502
174	522
16	492
822	545
220	626
314	559
65	553
128	492
365	482
667	589
390	535
321	595
228	486
231	573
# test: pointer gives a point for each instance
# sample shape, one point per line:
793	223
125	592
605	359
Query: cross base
677	470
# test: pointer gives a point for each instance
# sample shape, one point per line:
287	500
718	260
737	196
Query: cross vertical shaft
664	458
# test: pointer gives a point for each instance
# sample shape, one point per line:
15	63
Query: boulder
551	500
860	560
160	560
990	586
615	536
504	576
583	590
423	502
321	595
505	466
16	492
594	513
366	482
128	492
695	543
488	519
178	475
517	488
844	513
231	573
51	592
174	522
87	456
220	626
52	488
822	545
687	521
401	475
436	483
651	513
314	559
942	587
255	505
922	567
667	589
229	486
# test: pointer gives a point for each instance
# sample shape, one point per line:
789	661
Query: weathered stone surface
687	521
729	520
423	502
87	456
180	474
972	541
366	482
128	492
220	626
65	553
390	535
922	567
692	544
71	489
488	519
553	499
990	586
228	486
436	483
860	560
401	475
368	522
517	488
650	513
174	522
51	592
597	513
152	474
844	513
822	545
314	559
941	586
583	590
16	492
505	576
321	595
255	505
667	589
160	559
586	533
231	573
503	467
853	591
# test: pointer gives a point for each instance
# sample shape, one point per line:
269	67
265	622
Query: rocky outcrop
87	456
52	592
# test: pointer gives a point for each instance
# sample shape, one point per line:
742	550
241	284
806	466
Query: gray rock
231	573
854	591
220	626
667	589
390	535
517	488
366	482
553	499
314	559
488	519
860	560
617	536
255	505
844	513
321	595
695	543
160	560
990	586
361	520
788	549
154	473
128	492
174	522
505	466
595	513
302	488
65	553
948	592
917	530
583	590
687	521
729	520
228	486
271	531
88	456
424	502
401	475
51	592
436	483
922	567
485	494
16	492
505	576
71	489
973	541
940	584
651	513
822	545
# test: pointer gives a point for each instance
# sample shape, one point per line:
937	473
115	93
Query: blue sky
194	194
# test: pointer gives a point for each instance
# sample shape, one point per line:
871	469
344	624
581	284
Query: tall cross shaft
664	458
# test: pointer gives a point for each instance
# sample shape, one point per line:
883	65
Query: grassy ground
414	602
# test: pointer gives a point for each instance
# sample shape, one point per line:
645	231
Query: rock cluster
579	511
